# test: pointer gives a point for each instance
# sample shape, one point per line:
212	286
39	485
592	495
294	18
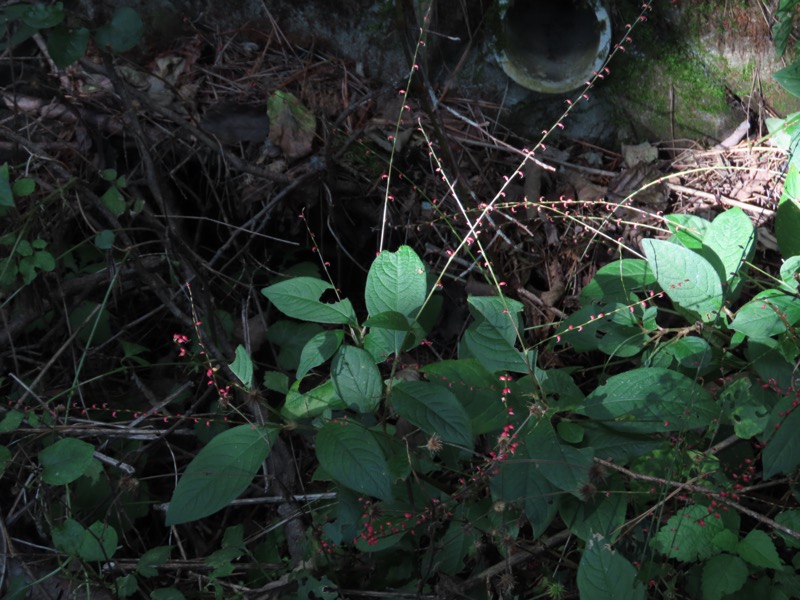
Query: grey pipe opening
553	46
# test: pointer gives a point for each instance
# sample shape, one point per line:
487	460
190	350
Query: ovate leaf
155	557
758	549
434	409
492	336
687	278
688	535
604	574
723	575
787	224
617	280
356	378
651	400
310	404
767	314
782	454
299	298
123	32
67	45
242	367
65	461
396	283
220	472
791	520
788	77
352	456
317	350
99	542
731	239
688	230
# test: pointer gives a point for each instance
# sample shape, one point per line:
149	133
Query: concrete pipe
552	46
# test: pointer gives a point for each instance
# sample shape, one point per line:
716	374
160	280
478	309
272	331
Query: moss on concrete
685	67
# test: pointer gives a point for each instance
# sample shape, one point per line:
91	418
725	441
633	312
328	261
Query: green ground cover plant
643	446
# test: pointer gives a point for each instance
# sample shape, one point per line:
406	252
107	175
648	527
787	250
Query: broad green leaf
616	281
42	16
492	337
396	283
65	461
356	379
123	32
242	367
155	557
66	45
352	456
790	272
220	472
6	196
521	483
604	574
758	549
731	239
790	519
68	537
651	400
767	314
687	278
603	514
722	575
310	404
785	132
23	187
688	535
787	224
726	540
11	421
390	319
788	77
126	586
434	409
688	230
299	298
782	453
276	381
99	542
782	27
24	248
476	389
566	467
317	350
114	201
104	240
